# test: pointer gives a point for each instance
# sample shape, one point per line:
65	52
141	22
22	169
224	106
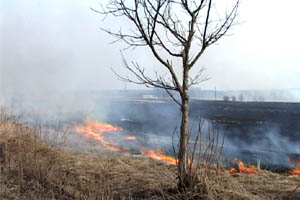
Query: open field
32	169
235	113
239	114
268	131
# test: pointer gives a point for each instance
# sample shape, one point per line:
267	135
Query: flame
242	169
129	138
159	155
295	171
296	168
95	130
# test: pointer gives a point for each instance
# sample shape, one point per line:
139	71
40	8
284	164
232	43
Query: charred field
268	131
264	132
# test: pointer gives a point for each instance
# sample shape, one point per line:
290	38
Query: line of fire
254	135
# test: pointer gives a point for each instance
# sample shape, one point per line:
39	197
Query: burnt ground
269	131
228	114
249	114
265	131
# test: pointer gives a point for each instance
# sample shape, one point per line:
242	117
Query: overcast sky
50	45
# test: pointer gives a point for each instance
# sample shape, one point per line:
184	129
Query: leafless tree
174	30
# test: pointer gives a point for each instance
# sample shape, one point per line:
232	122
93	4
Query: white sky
56	45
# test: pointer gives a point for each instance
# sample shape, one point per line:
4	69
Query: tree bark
184	133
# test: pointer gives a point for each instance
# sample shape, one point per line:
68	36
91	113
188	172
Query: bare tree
174	30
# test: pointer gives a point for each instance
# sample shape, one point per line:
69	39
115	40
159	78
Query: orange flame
296	169
129	138
159	155
95	130
242	169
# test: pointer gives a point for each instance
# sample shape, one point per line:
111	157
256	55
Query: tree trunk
184	134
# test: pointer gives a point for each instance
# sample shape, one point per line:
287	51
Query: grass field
31	168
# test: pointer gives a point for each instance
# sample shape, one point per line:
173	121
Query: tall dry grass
33	169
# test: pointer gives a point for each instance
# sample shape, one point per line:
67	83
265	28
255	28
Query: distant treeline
287	95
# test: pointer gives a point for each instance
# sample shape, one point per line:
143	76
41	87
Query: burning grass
31	169
241	168
296	168
95	130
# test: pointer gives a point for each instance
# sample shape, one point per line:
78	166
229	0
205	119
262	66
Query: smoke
154	122
56	45
53	57
51	60
267	144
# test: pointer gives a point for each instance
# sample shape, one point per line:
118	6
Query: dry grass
268	185
31	169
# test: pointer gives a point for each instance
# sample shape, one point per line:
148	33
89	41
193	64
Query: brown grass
31	169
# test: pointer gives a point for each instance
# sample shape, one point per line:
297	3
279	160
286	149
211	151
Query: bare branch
218	31
198	78
143	79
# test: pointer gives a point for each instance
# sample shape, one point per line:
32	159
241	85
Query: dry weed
31	169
